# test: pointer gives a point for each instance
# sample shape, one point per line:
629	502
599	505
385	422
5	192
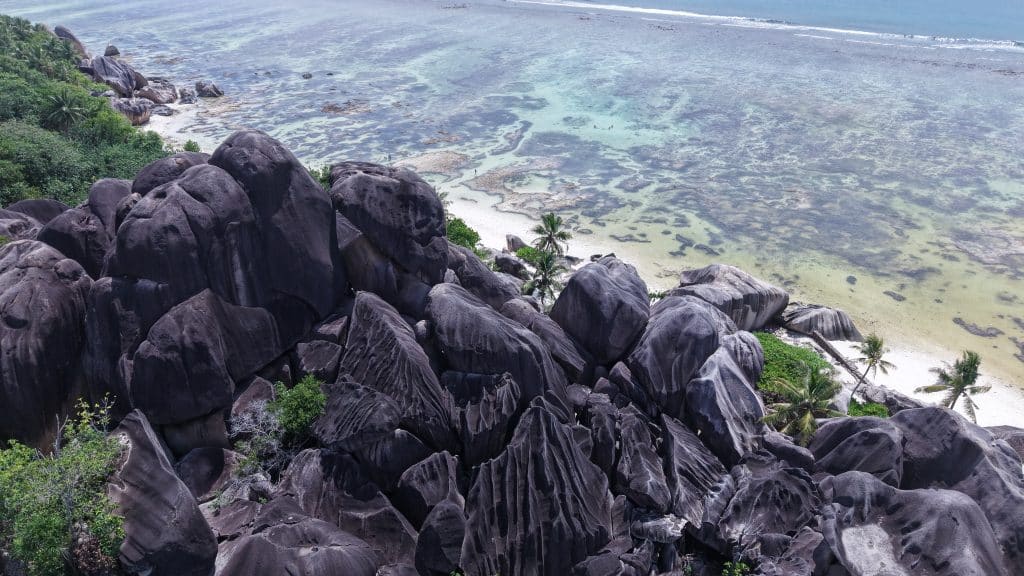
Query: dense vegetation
867	409
460	233
56	139
785	363
47	502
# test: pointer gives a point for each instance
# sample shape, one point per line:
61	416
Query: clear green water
805	156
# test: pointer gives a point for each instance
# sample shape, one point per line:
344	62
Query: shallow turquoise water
808	156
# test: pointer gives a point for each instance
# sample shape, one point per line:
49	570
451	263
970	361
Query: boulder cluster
465	430
131	93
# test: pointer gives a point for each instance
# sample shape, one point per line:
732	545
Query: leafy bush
4	240
46	501
321	175
56	139
191	146
735	569
297	408
867	409
460	233
784	362
530	255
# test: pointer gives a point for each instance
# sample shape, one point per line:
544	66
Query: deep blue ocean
981	19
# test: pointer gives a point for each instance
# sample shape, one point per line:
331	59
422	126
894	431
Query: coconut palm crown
959	381
551	234
872	350
806	401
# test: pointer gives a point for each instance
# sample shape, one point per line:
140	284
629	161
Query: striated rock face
478	279
166	534
399	212
42	314
279	538
874	528
603	307
538	508
159	91
137	110
562	348
475	338
116	74
694	475
18	226
831	323
382	354
868	444
943	450
751	303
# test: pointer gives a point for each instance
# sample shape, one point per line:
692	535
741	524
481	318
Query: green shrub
530	255
4	241
46	499
867	409
297	408
784	362
191	146
460	233
321	175
735	569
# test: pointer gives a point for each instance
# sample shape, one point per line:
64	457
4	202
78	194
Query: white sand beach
1002	405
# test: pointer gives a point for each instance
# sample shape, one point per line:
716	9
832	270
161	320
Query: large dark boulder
426	484
477	278
875	528
333	487
682	334
137	110
18	226
475	338
279	538
165	533
831	323
942	449
42	323
485	412
117	74
723	406
355	416
694	475
639	474
191	358
751	303
64	33
561	347
382	353
297	230
604	307
42	210
84	234
398	211
868	444
539	508
158	90
770	498
164	170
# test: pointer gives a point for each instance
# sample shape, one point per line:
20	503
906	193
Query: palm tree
872	350
66	109
545	277
959	381
551	234
806	401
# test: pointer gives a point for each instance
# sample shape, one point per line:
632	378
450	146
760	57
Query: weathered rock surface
84	234
382	353
136	110
159	91
399	212
478	279
42	210
604	307
42	314
638	474
63	33
868	444
831	323
475	338
751	303
117	74
561	347
693	474
538	508
207	89
874	528
166	534
278	538
207	471
165	170
486	407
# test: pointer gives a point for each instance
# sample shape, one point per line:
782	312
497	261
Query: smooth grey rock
751	303
831	323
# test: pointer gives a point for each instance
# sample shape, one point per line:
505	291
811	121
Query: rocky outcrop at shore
465	430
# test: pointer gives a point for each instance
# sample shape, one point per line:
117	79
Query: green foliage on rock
56	139
735	569
867	409
49	501
461	234
298	407
321	175
784	363
191	146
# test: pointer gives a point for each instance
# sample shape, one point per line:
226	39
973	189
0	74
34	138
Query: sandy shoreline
1003	405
